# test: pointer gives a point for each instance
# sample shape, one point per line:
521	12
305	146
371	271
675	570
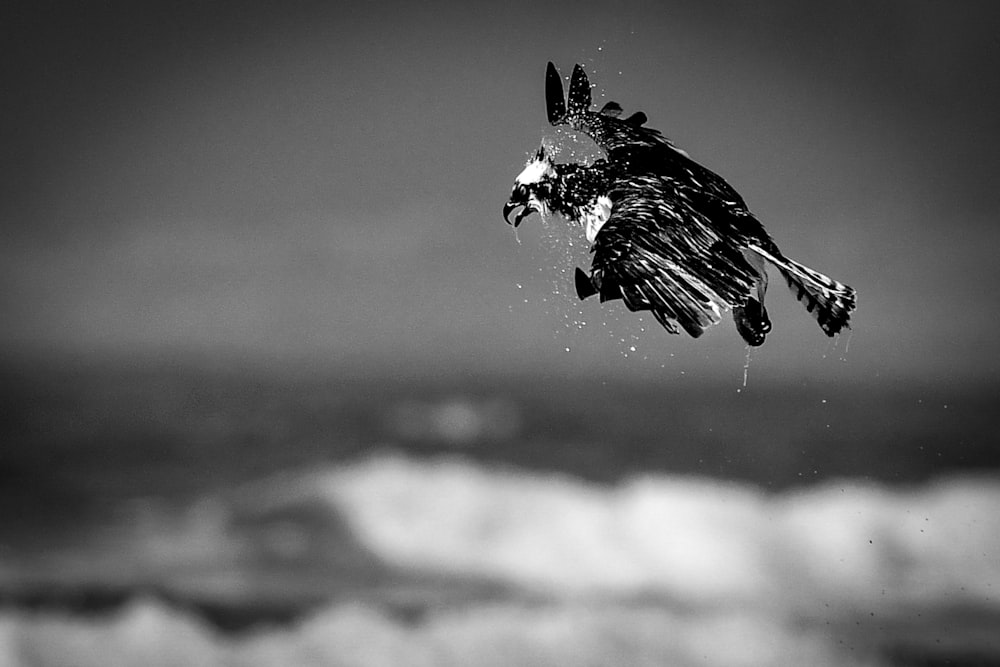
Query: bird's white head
532	188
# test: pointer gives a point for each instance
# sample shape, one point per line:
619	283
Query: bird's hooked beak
520	198
527	208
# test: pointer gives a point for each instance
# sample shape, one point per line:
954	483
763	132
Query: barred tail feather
829	301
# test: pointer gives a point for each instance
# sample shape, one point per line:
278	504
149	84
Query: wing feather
667	257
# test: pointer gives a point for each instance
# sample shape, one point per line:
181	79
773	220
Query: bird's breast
593	217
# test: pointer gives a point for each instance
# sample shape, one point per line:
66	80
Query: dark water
78	434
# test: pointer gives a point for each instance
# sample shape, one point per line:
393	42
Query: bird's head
533	188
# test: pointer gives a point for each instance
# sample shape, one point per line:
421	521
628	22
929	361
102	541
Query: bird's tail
829	301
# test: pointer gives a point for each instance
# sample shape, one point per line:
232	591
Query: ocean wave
150	634
393	560
687	539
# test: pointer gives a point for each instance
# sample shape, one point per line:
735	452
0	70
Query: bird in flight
668	235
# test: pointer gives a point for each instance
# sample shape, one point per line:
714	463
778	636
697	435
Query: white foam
496	635
690	539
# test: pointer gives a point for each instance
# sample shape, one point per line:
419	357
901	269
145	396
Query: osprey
668	235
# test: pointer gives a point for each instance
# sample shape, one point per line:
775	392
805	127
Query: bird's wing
627	143
659	253
728	217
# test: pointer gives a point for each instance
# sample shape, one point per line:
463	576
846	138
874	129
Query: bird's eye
521	191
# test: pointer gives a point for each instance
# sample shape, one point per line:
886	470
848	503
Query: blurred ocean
197	514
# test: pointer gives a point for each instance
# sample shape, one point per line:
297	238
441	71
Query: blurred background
280	386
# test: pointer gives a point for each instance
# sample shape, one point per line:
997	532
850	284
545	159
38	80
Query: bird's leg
757	262
751	318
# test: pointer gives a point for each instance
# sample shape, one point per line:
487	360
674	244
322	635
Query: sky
320	183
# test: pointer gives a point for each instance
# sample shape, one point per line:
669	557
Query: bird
667	234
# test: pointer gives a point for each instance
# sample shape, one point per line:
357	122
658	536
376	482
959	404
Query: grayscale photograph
500	334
